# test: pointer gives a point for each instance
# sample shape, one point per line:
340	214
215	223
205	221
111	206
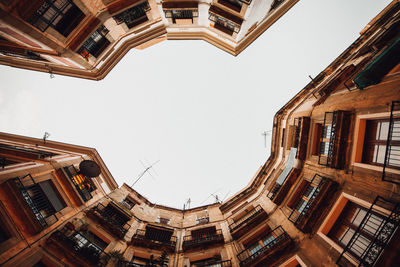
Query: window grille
62	15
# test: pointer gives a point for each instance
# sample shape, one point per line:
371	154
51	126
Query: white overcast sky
197	109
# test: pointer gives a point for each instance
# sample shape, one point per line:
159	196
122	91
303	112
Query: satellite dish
89	168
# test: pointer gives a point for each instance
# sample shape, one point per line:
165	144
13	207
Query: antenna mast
144	172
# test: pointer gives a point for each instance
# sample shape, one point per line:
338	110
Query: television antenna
212	195
265	134
146	170
45	136
187	204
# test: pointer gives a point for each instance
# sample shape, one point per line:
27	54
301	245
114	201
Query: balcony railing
274	191
27	152
333	143
226	263
392	155
202	239
319	189
133	16
155	239
247	220
379	226
78	248
273	241
111	219
82	184
36	200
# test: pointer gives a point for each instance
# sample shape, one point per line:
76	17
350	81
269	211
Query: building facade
327	196
86	39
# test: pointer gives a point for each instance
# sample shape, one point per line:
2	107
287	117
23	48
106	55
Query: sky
194	110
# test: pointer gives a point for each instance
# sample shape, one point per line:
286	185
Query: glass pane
382	131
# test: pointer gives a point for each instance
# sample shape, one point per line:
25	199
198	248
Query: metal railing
221	263
271	240
296	132
36	200
82	184
82	246
392	154
113	217
203	237
311	192
328	137
246	218
134	15
41	153
161	237
373	233
274	191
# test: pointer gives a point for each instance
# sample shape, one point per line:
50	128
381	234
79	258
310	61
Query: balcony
375	242
83	185
227	263
78	249
30	202
300	136
280	191
158	238
273	246
203	238
182	13
310	203
111	218
224	21
248	222
133	16
334	139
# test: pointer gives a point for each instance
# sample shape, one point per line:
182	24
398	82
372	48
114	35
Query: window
128	203
83	185
4	235
375	142
347	224
62	15
42	199
162	220
360	233
96	43
235	5
181	16
134	15
203	220
224	21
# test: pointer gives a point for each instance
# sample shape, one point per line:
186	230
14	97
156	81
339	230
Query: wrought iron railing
152	236
380	223
271	240
82	247
392	154
272	193
41	153
82	184
311	192
181	14
114	218
134	15
296	132
205	237
37	201
226	263
246	218
328	139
